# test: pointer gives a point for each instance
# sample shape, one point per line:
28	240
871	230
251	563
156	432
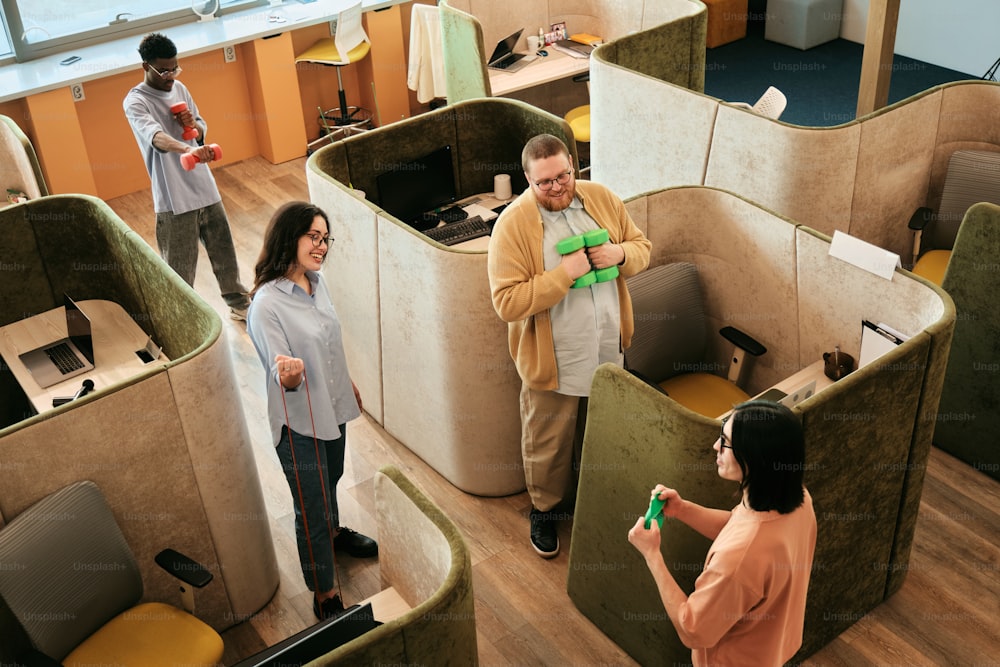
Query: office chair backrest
350	31
771	103
973	176
66	568
670	325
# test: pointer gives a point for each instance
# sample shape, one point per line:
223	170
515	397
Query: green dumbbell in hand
594	237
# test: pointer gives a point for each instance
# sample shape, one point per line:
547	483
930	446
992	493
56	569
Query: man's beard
566	198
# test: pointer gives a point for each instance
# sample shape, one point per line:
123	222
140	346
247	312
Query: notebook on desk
504	58
64	358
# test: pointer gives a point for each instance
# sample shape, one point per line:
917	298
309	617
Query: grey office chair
670	342
73	586
972	177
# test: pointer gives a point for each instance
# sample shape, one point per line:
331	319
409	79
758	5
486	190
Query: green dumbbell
569	245
597	237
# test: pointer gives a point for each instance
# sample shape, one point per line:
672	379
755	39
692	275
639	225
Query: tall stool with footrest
349	45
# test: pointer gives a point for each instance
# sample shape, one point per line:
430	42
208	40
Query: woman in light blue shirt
310	395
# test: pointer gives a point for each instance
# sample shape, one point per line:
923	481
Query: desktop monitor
317	640
409	190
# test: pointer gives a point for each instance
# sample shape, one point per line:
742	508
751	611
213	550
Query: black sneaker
331	608
355	544
544	538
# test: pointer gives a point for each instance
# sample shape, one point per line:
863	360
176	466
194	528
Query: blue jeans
177	237
316	521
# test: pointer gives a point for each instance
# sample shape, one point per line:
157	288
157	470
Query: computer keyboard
463	230
64	359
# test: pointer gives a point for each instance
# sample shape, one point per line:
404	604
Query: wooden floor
947	612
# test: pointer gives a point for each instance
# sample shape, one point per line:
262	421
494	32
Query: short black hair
155	46
769	446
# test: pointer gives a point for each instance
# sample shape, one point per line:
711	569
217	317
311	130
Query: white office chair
771	104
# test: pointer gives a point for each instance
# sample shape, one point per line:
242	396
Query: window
5	49
43	27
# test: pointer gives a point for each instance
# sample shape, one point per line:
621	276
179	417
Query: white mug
501	186
532	43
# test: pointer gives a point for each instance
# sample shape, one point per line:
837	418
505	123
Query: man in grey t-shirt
188	205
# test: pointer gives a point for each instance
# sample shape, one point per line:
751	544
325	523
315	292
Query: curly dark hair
155	46
288	224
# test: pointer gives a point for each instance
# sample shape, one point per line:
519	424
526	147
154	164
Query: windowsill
116	56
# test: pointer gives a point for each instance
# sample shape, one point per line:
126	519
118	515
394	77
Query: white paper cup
501	186
532	43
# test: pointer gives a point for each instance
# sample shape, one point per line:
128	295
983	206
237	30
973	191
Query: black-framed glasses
172	73
546	184
318	240
724	442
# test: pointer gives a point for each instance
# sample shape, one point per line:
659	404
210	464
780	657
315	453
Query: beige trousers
551	443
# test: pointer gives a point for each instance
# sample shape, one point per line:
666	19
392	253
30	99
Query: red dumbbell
189	160
190	132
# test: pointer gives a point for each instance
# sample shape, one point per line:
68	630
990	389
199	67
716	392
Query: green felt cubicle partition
969	418
867	436
425	559
169	447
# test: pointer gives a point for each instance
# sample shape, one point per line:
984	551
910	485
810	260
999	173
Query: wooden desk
487	200
798	380
116	339
557	65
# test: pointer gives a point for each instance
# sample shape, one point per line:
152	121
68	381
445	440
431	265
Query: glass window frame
23	51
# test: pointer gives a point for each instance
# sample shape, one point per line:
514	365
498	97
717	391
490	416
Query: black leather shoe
355	544
544	538
331	608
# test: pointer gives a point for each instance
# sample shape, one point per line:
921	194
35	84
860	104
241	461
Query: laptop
504	58
67	357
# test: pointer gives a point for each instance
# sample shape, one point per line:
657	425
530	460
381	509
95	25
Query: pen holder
837	364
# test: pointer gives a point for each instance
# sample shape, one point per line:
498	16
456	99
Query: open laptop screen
79	330
505	47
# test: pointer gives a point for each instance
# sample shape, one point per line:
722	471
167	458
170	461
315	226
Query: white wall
958	34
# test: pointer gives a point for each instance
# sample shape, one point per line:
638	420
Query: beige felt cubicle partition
865	176
867	436
168	447
423	343
19	167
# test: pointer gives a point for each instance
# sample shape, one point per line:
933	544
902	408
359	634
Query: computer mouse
543	52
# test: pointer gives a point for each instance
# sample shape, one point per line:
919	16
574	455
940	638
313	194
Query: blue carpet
821	83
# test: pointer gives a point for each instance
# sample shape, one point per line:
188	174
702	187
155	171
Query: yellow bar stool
349	45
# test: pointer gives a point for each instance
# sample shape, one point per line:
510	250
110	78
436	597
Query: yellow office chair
669	344
73	585
972	177
349	45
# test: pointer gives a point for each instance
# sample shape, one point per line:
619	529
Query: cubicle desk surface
486	200
116	339
555	66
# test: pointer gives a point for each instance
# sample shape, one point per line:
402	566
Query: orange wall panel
59	142
274	89
386	67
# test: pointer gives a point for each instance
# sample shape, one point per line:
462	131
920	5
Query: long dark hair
281	240
769	446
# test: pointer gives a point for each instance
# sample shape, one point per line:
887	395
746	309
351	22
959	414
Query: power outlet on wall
76	90
229	53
